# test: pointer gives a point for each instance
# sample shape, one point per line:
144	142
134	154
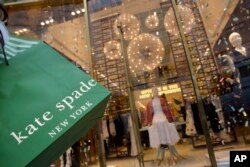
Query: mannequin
232	99
164	131
240	54
239	50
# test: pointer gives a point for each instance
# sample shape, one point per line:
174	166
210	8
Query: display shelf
201	54
110	74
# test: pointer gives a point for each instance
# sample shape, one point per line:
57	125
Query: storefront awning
46	104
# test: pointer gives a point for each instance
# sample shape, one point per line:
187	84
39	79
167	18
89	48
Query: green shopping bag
46	104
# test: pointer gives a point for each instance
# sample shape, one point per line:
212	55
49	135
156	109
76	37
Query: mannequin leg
172	154
162	153
175	151
159	152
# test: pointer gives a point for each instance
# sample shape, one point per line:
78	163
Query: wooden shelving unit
201	55
110	74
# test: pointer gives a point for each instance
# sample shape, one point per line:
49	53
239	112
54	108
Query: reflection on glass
55	23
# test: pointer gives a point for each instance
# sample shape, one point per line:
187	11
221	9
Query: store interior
133	46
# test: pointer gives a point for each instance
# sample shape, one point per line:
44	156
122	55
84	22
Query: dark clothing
183	127
197	121
212	117
76	154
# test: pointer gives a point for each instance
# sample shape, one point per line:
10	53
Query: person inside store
162	131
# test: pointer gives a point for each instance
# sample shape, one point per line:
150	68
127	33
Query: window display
217	44
232	84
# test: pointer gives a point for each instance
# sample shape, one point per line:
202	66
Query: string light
152	21
186	16
77	11
49	21
21	31
112	50
145	52
128	24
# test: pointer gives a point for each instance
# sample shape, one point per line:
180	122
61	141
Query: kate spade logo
67	104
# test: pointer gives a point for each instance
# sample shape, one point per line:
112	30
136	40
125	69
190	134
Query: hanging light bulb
186	16
78	11
127	24
112	50
51	20
152	21
145	52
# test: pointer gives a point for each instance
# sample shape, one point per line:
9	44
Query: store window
191	49
231	49
199	57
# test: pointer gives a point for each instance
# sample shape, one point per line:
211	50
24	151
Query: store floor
193	157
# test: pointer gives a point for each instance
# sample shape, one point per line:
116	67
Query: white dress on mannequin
161	131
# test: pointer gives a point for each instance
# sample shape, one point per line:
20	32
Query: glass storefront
195	52
59	23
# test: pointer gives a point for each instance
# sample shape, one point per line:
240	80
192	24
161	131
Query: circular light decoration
152	21
112	50
186	16
128	24
145	52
